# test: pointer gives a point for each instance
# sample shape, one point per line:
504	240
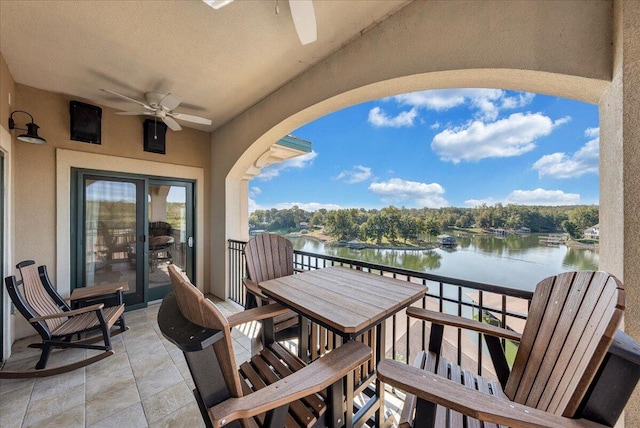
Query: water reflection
511	261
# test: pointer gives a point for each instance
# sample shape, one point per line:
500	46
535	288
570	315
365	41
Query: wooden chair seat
269	366
572	322
445	417
273	388
88	321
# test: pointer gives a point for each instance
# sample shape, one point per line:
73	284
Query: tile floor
146	383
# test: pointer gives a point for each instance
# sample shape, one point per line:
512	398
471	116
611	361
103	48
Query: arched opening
503	161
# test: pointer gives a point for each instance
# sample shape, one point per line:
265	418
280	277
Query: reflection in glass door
113	234
170	207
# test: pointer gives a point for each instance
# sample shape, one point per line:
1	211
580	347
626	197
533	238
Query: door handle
190	242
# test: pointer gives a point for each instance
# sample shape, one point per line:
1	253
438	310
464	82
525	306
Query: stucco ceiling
219	62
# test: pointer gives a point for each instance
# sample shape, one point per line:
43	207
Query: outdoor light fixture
32	130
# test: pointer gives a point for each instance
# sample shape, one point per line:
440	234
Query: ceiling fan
302	12
161	106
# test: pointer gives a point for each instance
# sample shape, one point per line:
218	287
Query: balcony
147	382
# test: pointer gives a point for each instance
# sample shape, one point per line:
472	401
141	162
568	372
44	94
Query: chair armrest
441	391
257	314
313	378
466	323
252	287
98	290
70	313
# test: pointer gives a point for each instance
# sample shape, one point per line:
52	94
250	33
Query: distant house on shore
593	232
523	230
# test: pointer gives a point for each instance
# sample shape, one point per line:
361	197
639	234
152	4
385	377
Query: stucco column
620	172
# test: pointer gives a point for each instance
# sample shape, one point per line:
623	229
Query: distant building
593	232
523	230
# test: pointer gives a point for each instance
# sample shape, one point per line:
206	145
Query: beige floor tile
52	405
110	401
54	385
166	402
13	403
187	416
131	417
73	417
158	381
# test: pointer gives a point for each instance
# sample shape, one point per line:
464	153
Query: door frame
142	216
67	159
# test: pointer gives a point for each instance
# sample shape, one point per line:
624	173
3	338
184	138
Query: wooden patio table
347	302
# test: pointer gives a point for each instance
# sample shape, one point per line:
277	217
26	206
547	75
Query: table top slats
347	300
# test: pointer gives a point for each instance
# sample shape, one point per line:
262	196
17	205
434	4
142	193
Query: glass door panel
170	233
113	234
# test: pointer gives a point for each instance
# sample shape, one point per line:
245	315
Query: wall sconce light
32	130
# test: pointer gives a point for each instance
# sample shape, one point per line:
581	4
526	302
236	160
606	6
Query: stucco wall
620	172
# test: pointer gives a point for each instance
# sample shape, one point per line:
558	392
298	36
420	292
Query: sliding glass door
129	229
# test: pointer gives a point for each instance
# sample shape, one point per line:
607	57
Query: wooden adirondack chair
572	321
269	256
57	323
274	388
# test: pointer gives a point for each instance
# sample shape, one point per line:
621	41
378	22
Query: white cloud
488	102
592	132
378	118
274	170
562	165
478	202
435	125
307	206
542	197
397	190
253	206
507	137
358	174
254	191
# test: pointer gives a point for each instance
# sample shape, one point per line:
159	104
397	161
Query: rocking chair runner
572	322
57	323
273	388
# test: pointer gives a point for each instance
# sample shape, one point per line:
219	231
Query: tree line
413	224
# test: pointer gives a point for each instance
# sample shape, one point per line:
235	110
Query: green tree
432	227
570	227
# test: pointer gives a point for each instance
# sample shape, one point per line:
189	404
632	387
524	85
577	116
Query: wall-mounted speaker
85	122
155	132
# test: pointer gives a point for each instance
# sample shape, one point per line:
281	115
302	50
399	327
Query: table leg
303	338
380	354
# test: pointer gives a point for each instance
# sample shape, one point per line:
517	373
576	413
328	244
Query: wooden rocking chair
572	322
57	323
272	389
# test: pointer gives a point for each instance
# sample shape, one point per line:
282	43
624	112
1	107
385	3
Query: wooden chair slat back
37	297
268	256
201	311
571	324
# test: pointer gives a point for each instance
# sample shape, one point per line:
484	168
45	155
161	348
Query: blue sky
451	147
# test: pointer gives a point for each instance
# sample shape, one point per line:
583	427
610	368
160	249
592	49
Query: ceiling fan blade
217	4
171	123
128	99
191	118
304	18
134	113
169	102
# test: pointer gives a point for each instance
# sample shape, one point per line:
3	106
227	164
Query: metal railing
406	336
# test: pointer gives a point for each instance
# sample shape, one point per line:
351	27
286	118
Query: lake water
513	261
